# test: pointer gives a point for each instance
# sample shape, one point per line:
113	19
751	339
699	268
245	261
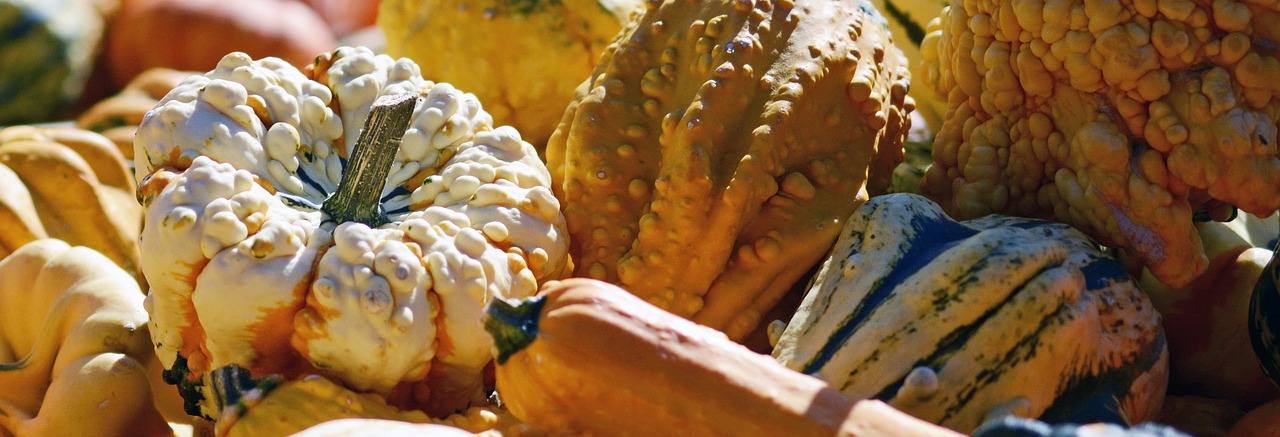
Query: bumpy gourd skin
523	58
1120	118
232	168
708	162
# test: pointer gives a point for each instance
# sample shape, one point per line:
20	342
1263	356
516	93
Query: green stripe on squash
951	321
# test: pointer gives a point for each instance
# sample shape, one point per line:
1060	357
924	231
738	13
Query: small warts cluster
1120	117
707	163
248	269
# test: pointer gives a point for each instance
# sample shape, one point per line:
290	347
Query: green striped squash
47	49
955	321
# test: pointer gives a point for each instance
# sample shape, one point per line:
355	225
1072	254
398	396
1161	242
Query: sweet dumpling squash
952	321
707	162
269	244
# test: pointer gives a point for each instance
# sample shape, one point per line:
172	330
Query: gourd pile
626	217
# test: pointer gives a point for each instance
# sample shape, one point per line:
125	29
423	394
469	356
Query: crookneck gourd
272	244
69	184
1122	119
75	358
707	162
952	321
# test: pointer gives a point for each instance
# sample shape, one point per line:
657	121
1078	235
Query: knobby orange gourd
1119	118
708	161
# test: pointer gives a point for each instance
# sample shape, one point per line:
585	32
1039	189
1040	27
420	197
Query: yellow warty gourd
1120	118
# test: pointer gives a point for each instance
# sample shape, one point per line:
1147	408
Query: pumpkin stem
513	326
359	195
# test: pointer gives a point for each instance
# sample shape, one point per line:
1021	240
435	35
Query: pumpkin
1122	119
709	159
346	16
587	357
950	321
75	358
117	116
522	58
1207	321
68	184
264	249
197	33
49	47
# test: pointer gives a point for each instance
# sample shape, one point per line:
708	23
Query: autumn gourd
709	159
523	59
585	357
69	184
74	350
1207	321
195	34
272	406
954	321
266	250
1123	119
909	21
48	50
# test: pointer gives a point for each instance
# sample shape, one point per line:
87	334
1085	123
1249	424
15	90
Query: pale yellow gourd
75	357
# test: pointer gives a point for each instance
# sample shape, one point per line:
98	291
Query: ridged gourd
707	163
952	321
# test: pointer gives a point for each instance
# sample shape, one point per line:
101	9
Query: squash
273	406
1207	321
71	185
910	22
264	249
949	321
117	117
1264	317
709	159
1122	119
523	59
48	48
197	33
75	358
1263	421
586	357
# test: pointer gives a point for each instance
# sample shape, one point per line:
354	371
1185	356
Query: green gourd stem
359	194
513	326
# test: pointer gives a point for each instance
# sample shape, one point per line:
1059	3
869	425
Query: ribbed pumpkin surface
949	321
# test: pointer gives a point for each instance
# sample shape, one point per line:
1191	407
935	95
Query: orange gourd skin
707	163
198	33
605	362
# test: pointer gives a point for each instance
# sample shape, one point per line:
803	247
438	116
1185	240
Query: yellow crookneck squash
75	357
68	184
707	163
254	259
